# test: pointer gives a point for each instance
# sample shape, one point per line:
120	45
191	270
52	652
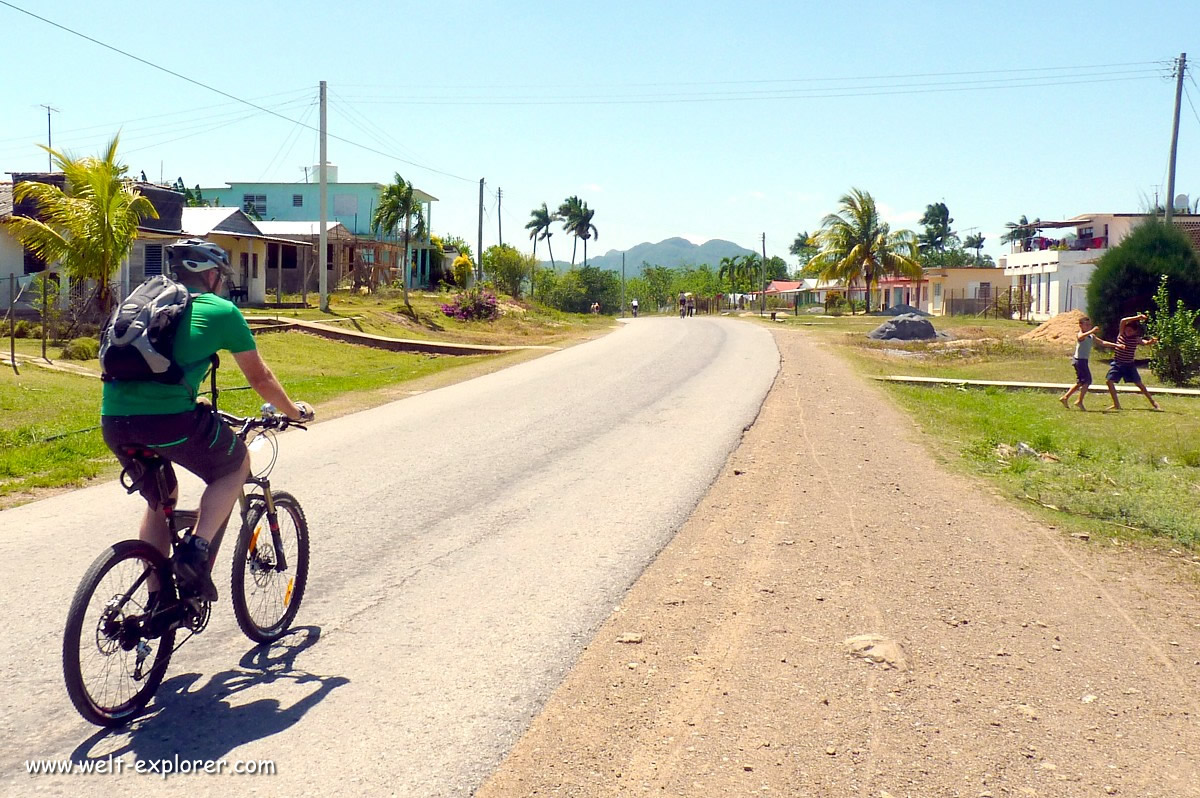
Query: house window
256	203
254	266
985	291
33	262
153	260
245	265
1086	232
297	200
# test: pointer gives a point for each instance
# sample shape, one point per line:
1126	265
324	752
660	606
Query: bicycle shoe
191	569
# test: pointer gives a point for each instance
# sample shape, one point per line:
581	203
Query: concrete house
1054	272
351	205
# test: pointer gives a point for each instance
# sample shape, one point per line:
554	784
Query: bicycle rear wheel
270	569
110	665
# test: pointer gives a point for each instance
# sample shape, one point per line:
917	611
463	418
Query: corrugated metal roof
6	200
201	221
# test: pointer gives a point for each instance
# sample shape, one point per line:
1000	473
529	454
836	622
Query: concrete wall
12	261
352	204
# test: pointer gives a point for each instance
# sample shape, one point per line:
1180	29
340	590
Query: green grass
521	323
1135	471
40	404
1130	474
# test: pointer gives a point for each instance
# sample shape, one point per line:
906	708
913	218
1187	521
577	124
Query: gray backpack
138	341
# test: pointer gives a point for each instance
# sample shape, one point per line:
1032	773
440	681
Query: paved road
466	543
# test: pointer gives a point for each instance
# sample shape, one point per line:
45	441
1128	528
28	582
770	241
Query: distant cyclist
171	420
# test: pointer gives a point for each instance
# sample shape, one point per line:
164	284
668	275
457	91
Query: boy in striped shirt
1122	367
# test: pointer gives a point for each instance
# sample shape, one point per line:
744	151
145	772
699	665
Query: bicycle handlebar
274	421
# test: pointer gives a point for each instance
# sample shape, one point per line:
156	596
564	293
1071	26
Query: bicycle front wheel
270	568
111	665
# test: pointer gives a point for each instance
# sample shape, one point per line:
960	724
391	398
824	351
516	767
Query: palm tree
857	245
975	242
585	229
398	203
1021	230
936	221
90	225
569	213
539	230
730	270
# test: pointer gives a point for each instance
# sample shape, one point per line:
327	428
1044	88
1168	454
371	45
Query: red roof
779	286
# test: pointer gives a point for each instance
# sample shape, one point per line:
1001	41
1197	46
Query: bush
460	270
25	329
1128	275
471	305
1176	358
81	349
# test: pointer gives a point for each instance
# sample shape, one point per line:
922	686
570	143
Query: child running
1122	368
1083	350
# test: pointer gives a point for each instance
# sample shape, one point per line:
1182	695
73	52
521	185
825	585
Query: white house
1055	272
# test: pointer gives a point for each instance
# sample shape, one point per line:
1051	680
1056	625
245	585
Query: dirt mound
910	327
902	310
1061	329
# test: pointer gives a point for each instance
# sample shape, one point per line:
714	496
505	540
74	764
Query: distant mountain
671	253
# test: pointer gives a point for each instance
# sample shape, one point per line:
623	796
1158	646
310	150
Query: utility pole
49	136
499	225
1179	70
323	238
622	285
762	305
479	243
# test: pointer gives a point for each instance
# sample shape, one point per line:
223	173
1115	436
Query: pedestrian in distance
691	305
1083	351
1122	366
682	304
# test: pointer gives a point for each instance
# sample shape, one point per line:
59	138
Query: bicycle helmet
196	255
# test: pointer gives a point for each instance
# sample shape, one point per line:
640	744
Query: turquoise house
351	204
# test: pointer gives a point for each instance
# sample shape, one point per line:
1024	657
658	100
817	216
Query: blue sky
700	119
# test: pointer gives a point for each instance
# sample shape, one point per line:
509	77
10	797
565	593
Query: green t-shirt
209	325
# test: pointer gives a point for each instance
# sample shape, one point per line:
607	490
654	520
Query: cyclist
172	421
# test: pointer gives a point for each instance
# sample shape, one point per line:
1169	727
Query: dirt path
1027	663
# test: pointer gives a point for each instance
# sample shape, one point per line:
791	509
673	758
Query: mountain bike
116	646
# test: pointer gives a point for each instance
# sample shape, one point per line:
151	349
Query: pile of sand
1061	329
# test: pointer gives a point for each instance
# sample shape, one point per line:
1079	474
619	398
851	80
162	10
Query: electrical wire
223	93
1160	62
811	94
293	136
191	112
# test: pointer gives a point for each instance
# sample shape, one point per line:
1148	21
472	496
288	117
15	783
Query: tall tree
1021	230
975	242
569	213
90	225
397	208
856	244
539	230
804	248
936	221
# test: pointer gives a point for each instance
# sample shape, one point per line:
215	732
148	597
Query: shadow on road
201	723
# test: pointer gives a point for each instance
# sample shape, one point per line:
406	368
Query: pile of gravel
909	327
902	310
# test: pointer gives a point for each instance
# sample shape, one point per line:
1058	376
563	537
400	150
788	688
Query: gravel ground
1008	658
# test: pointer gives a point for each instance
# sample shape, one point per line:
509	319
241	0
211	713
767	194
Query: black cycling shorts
198	440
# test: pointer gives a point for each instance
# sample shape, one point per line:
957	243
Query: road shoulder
1009	660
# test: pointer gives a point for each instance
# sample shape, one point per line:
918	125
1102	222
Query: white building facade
1054	272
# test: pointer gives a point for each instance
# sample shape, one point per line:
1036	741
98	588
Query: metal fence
1011	303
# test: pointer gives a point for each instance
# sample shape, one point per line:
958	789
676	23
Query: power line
223	93
191	111
1160	62
810	94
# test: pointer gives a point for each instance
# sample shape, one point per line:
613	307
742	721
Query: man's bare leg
1112	390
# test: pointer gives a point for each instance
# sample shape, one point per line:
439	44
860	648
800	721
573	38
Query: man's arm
263	381
1138	317
1083	335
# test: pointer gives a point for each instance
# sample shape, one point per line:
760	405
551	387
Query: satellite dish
1181	202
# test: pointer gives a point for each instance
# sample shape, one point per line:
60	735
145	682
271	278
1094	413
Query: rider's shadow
201	724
